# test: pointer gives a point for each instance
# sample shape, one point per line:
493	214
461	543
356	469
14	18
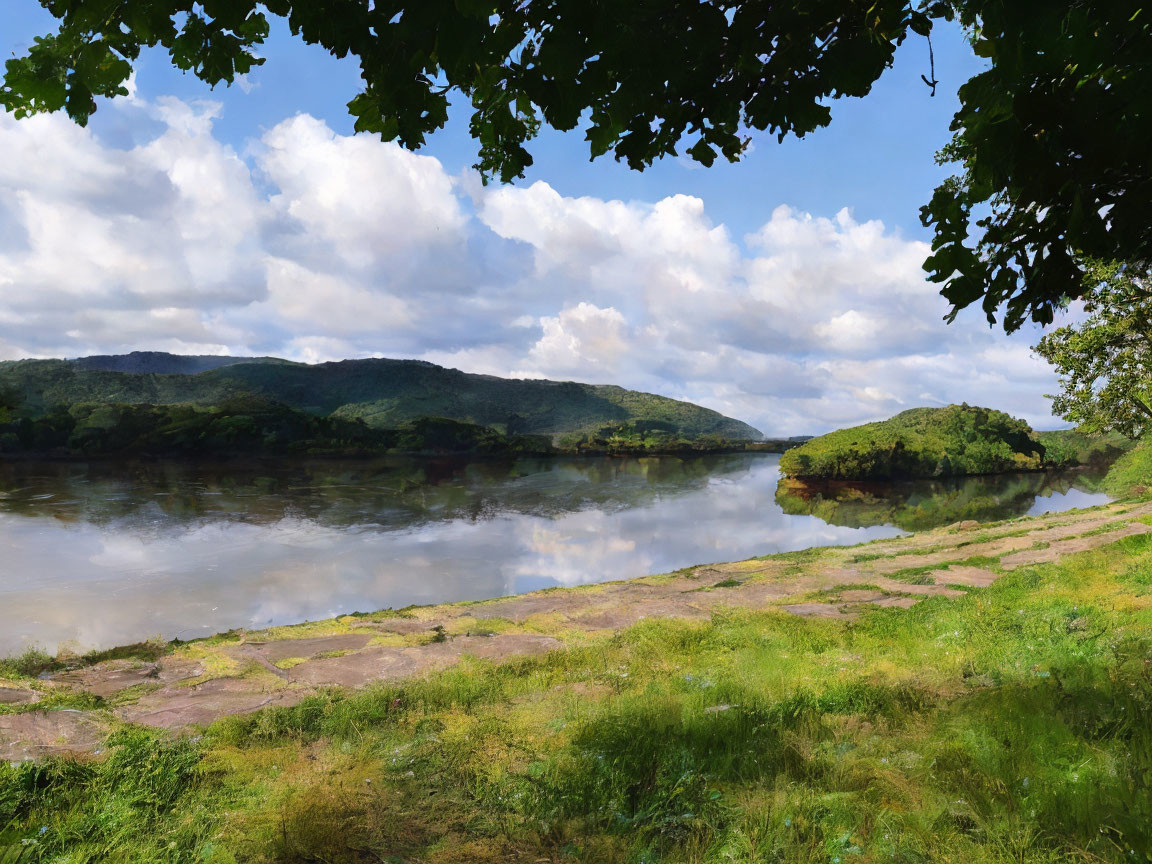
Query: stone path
198	683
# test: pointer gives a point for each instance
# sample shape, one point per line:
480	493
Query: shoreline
806	706
360	456
71	631
171	684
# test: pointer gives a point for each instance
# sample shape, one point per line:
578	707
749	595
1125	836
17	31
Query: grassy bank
1006	725
1131	474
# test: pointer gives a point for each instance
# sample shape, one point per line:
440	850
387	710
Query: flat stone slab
861	595
815	610
388	663
1072	545
756	595
174	706
399	626
936	590
960	574
621	613
35	734
111	677
18	696
893	602
1001	546
282	649
520	608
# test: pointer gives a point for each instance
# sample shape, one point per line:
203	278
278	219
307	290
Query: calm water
101	555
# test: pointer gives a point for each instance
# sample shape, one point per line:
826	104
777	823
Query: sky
785	290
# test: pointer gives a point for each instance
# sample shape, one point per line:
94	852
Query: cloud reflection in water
97	556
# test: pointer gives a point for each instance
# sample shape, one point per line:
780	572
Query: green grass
1008	725
723	583
31	663
1131	474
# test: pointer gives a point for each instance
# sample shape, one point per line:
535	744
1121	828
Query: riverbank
495	454
960	694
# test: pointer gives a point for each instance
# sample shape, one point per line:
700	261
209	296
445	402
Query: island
958	440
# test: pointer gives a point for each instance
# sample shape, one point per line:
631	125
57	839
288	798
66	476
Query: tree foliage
650	72
921	442
1105	362
383	393
241	426
1052	139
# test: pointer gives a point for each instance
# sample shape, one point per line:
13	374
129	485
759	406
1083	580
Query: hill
382	393
163	363
934	442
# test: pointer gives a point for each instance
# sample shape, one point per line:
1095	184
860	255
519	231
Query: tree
1105	362
1052	139
10	400
1053	145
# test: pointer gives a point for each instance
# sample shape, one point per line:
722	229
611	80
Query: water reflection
922	504
387	494
101	555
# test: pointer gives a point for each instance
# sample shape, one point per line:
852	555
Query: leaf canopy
1051	141
1053	144
1105	362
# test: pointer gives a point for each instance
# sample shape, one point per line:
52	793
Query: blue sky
784	290
876	157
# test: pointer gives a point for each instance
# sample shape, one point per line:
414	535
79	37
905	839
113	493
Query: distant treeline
240	426
657	436
251	425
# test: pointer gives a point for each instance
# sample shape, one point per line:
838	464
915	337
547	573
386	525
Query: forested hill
383	393
163	363
942	442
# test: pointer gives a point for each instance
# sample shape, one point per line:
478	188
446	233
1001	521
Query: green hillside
163	363
1131	474
382	393
936	442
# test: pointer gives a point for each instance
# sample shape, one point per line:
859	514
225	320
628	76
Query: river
96	555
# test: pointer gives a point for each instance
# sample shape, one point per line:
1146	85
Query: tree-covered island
956	440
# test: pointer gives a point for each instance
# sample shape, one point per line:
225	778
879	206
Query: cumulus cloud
580	339
319	246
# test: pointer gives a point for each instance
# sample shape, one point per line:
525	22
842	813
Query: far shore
773	446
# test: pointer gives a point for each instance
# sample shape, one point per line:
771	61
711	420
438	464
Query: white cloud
580	339
319	246
365	201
